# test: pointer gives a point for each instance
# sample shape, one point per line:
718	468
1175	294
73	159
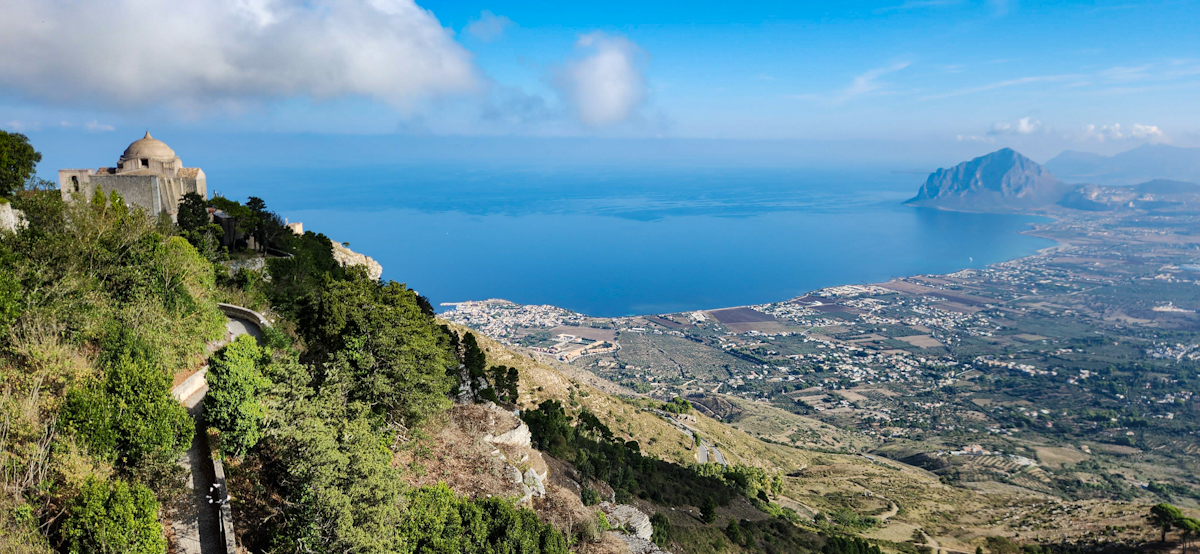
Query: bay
631	240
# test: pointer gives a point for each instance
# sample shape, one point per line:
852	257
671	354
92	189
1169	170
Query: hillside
1001	181
898	499
355	419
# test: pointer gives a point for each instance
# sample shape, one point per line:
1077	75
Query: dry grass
957	517
454	452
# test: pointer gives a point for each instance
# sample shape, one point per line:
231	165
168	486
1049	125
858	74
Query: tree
113	517
733	531
332	466
234	404
18	160
193	212
473	357
708	511
1164	516
374	339
1190	529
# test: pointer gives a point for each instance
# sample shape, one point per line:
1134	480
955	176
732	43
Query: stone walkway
197	525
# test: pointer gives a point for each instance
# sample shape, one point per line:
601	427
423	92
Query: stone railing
245	314
227	533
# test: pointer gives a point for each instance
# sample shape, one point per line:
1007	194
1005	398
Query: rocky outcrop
348	257
1001	181
534	483
624	516
638	545
520	437
11	220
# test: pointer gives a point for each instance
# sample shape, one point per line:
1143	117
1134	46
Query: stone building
148	174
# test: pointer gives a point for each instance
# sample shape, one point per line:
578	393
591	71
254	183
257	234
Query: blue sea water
619	241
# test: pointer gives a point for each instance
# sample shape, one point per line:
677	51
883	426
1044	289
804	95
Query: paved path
718	457
197	525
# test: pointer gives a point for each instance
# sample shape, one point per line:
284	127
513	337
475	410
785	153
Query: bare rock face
1001	181
11	220
638	545
625	516
348	257
517	437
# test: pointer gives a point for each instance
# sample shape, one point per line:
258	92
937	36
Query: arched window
75	182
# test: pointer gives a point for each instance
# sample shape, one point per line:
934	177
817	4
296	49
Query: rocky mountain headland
1006	181
1001	181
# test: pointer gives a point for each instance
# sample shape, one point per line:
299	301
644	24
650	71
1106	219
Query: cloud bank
130	53
1102	133
605	85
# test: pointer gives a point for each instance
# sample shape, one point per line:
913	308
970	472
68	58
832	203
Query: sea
612	241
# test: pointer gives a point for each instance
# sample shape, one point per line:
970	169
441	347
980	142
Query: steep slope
1144	163
901	497
1001	181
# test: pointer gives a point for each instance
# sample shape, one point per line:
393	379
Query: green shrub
129	418
113	517
438	521
603	519
235	386
589	496
661	526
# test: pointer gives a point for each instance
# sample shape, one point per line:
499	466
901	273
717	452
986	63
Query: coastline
1037	232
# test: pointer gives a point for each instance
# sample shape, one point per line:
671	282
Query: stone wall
11	220
142	190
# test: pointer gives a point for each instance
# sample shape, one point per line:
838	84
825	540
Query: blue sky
925	76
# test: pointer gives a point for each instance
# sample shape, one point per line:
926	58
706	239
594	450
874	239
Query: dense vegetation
101	305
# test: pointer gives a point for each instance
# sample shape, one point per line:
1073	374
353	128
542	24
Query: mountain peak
1003	180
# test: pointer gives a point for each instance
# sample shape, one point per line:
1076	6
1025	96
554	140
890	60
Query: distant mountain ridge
1001	181
1144	163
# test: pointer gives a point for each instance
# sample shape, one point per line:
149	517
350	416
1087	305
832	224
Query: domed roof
148	147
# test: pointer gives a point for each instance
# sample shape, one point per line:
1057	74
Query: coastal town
1070	371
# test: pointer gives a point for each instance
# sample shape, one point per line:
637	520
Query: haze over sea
610	242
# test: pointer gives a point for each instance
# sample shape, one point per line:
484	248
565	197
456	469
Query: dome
148	147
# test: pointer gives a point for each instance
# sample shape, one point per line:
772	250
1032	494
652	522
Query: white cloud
489	26
865	83
606	84
97	127
133	53
1138	132
1023	126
